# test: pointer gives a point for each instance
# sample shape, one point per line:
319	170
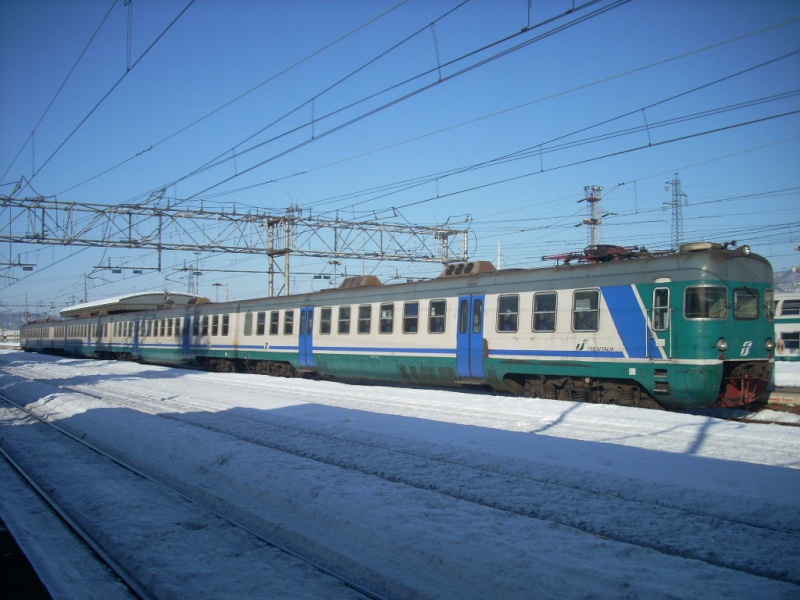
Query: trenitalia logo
583	346
746	349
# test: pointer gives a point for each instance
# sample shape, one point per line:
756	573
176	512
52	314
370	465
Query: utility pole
678	199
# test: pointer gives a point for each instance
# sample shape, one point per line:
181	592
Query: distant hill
787	281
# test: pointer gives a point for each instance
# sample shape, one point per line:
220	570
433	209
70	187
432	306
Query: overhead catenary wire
225	156
400	186
110	91
60	88
340	201
241	96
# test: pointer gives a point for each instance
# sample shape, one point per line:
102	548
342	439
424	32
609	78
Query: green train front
689	329
711	317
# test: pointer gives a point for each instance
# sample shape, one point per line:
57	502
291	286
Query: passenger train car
787	326
686	329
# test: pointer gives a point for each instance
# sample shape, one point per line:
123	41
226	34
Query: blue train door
135	349
306	339
469	343
186	340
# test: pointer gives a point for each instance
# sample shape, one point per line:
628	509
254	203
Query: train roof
132	302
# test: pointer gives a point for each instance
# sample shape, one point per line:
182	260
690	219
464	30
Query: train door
135	333
306	337
469	341
186	340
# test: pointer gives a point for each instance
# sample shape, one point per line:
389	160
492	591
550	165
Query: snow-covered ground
449	494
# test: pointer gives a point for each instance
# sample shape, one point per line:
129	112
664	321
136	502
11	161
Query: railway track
291	436
91	516
644	521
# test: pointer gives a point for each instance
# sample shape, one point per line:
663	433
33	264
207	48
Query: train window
745	303
411	317
507	313
544	311
248	323
791	340
660	309
162	327
463	316
706	302
364	318
477	314
436	316
325	318
386	324
273	322
177	327
790	307
769	304
214	324
585	310
261	323
226	323
344	319
204	325
288	322
170	330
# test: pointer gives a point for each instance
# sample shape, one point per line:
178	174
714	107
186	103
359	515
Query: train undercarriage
621	393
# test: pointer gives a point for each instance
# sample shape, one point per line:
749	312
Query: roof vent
699	246
361	281
460	269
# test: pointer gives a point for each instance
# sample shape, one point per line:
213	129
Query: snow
449	494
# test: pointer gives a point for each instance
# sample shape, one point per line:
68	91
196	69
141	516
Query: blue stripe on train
630	321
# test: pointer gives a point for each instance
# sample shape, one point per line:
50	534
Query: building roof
132	302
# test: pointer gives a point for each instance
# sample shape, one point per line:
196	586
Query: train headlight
769	344
722	345
745	250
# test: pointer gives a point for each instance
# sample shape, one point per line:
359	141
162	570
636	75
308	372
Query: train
787	326
684	329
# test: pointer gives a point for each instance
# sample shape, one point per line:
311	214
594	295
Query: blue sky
623	100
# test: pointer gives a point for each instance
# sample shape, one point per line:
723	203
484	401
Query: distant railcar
787	326
679	330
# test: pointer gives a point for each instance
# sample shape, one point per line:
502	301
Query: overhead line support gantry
151	227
